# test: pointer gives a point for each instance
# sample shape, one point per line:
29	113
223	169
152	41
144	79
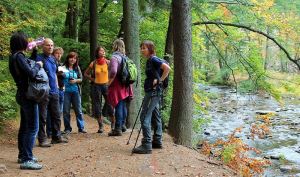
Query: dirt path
93	155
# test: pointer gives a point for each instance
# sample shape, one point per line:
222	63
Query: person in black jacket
21	71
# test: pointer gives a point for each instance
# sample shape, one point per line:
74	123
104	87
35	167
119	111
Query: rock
206	133
3	169
290	168
264	112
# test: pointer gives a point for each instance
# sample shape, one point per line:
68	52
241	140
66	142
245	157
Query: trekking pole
135	121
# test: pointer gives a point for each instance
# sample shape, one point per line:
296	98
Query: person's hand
40	63
155	82
73	81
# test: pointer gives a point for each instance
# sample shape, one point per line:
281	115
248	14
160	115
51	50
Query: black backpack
165	83
38	87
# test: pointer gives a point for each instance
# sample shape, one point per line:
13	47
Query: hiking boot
115	132
45	144
30	165
156	146
59	140
82	131
124	129
33	159
141	150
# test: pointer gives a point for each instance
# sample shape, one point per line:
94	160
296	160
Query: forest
248	48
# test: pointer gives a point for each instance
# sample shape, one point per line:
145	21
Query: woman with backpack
118	93
97	73
72	78
21	72
156	72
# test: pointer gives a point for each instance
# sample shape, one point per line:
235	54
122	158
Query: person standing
21	71
156	72
57	53
72	78
97	73
117	92
53	99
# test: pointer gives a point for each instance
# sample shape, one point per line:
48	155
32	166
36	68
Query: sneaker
59	140
124	129
115	133
33	159
82	131
141	150
30	165
100	131
66	132
45	144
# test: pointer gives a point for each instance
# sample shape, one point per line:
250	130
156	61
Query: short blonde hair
119	46
58	49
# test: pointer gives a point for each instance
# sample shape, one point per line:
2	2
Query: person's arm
87	72
24	66
166	69
113	69
79	79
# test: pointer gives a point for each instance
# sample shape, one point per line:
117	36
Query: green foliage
228	153
8	105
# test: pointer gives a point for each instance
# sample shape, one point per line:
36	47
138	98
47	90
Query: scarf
101	61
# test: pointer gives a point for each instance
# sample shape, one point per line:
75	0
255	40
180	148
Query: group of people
42	119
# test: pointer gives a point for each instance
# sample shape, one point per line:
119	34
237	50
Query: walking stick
135	121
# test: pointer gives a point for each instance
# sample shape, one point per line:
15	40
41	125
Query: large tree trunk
71	20
169	41
131	29
180	125
93	28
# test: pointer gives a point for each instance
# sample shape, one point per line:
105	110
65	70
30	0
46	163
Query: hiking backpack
38	87
128	71
165	83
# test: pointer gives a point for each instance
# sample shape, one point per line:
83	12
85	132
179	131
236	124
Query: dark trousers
54	112
29	126
42	120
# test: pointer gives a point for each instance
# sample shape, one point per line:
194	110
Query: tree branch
295	61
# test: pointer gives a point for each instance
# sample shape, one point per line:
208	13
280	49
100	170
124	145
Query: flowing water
230	110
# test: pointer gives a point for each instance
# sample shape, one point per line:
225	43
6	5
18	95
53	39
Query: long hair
119	46
71	55
18	42
150	46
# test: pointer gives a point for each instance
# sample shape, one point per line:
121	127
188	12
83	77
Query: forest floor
94	154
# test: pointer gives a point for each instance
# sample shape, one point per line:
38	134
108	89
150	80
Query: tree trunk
169	52
93	28
71	20
267	50
180	125
131	29
83	32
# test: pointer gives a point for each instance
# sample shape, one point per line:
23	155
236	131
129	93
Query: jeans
151	102
74	99
61	100
156	123
97	92
121	114
29	127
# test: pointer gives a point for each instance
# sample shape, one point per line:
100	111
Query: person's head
58	53
119	46
18	42
99	52
147	48
72	60
48	46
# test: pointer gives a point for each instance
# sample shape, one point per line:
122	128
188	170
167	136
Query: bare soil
93	155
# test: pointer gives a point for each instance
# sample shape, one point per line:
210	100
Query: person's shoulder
157	60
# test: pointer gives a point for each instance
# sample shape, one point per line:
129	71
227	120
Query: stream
229	110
